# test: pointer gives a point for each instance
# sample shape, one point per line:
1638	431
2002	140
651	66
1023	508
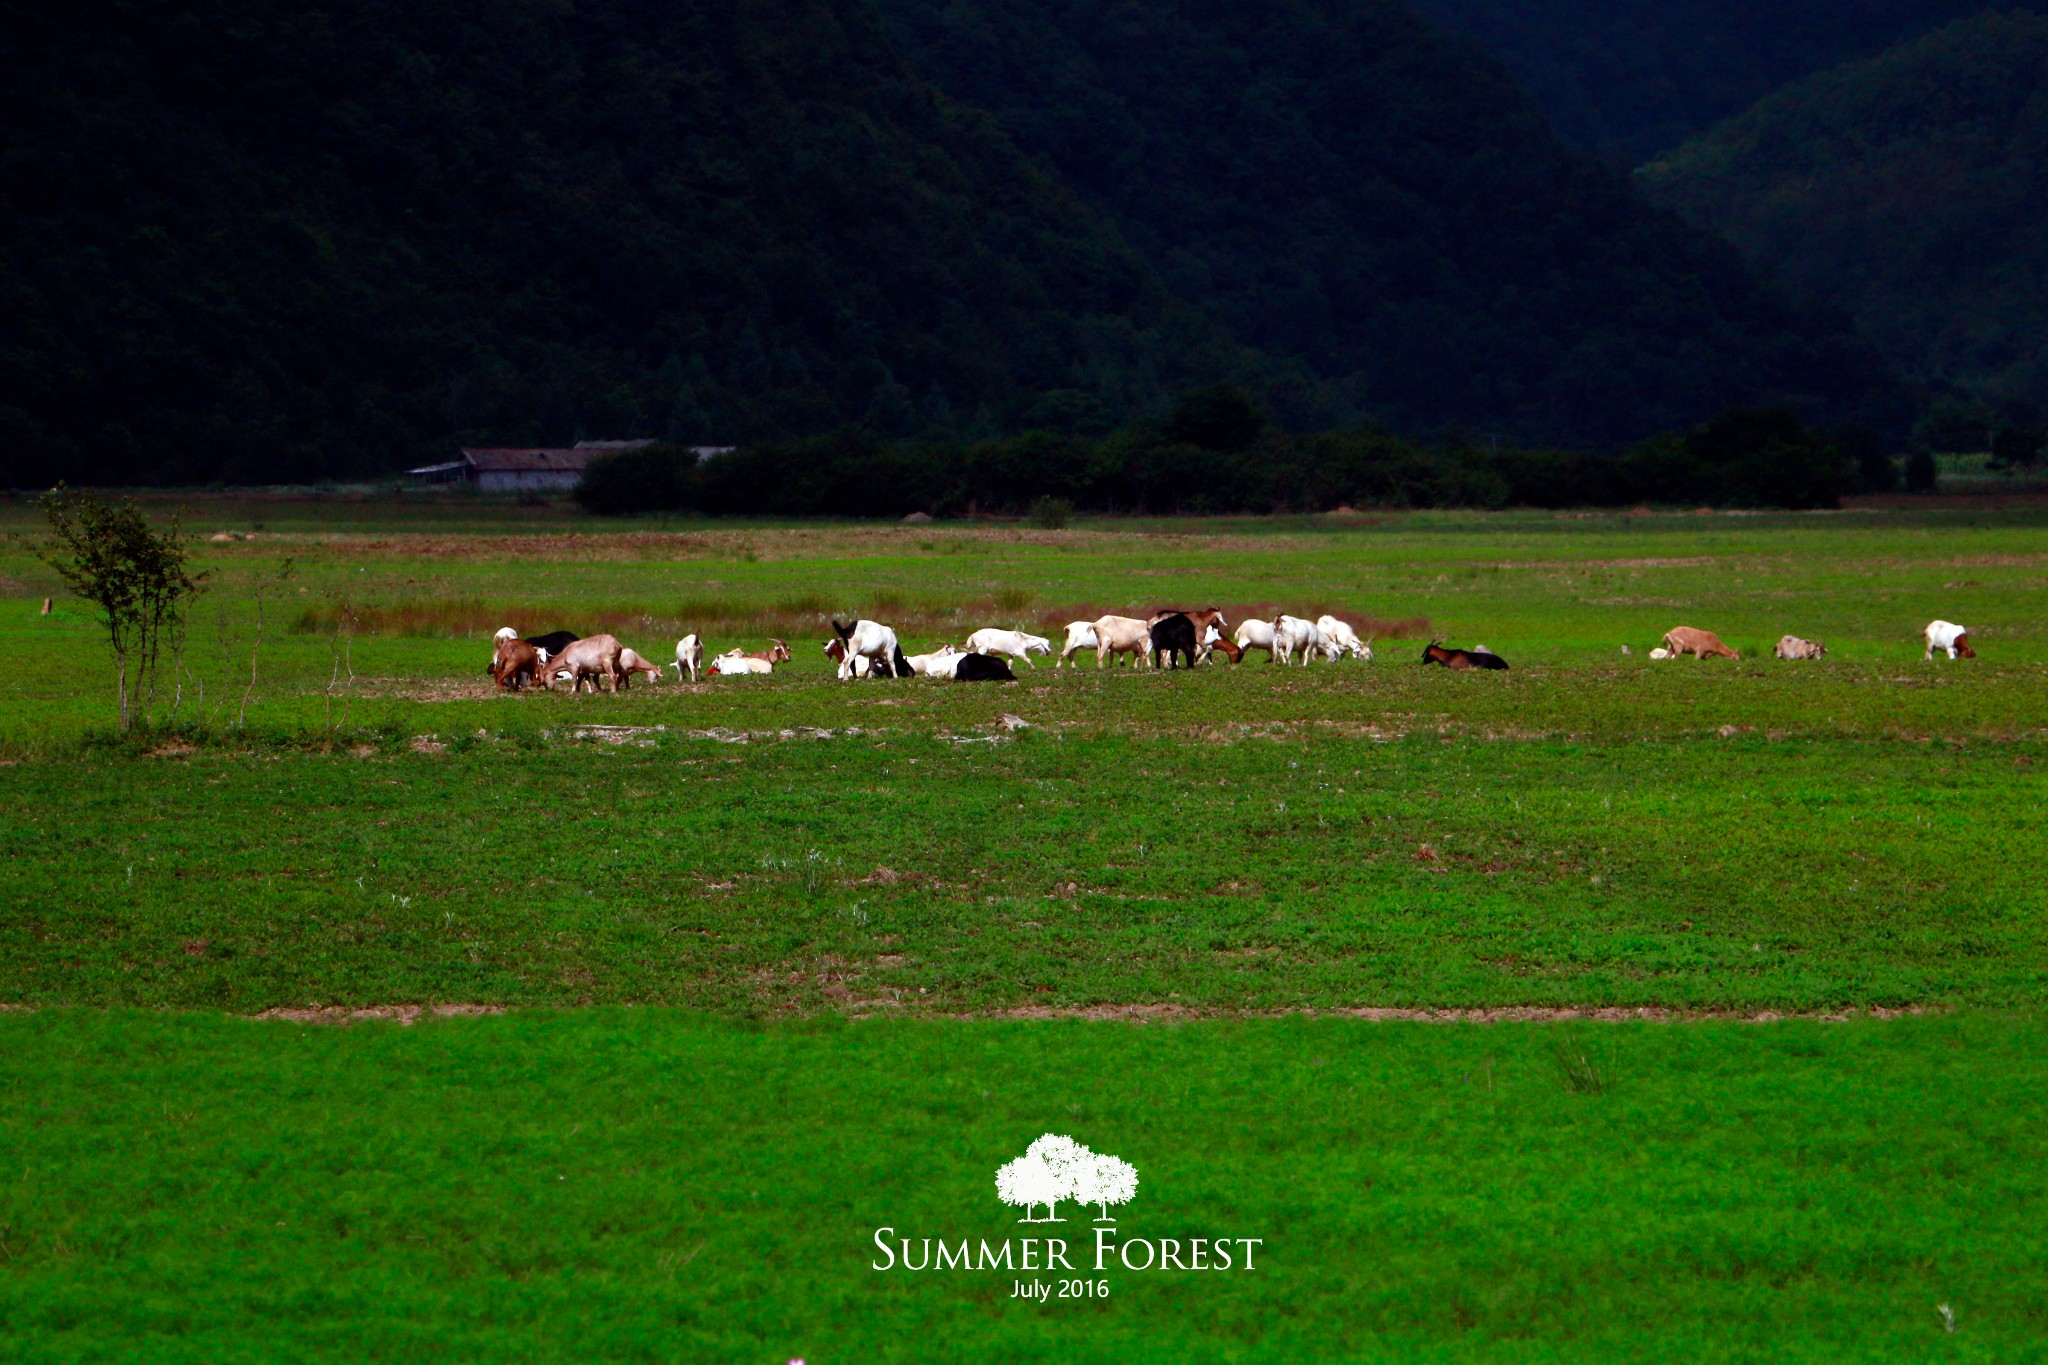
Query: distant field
753	864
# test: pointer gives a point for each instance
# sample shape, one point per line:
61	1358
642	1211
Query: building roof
524	460
640	444
447	468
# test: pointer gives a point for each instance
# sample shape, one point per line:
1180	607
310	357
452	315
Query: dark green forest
1340	182
290	241
1629	79
286	241
1911	189
1216	452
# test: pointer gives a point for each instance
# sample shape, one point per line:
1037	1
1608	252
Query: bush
1221	417
651	479
1876	471
2016	448
1746	457
1051	514
1921	475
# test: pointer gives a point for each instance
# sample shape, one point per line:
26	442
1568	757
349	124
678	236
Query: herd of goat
1171	637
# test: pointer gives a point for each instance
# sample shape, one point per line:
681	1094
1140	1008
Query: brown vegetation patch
1501	1014
396	1014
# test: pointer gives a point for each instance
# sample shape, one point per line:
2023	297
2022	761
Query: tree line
1216	453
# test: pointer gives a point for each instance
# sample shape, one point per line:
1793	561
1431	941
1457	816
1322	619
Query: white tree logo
1056	1167
1104	1180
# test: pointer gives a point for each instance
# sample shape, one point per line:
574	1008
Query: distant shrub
651	479
1051	514
1876	471
2016	447
1921	474
1746	457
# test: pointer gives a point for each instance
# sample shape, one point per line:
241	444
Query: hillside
1340	182
1912	189
1628	79
312	240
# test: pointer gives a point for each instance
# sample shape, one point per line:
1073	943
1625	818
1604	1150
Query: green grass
752	865
642	1185
924	875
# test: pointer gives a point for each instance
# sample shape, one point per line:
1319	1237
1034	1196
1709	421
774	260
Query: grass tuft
1578	1071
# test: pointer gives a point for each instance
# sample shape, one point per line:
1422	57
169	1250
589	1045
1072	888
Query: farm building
504	469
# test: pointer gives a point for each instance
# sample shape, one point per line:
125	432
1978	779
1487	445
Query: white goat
1080	636
1255	635
1340	639
1947	635
689	657
867	640
1291	633
940	663
733	664
1014	643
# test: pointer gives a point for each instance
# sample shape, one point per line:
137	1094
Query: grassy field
644	1185
850	918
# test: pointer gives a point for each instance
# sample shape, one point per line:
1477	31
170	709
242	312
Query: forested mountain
299	239
1911	188
1631	78
1339	181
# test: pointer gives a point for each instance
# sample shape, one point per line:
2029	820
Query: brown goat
593	658
1701	644
513	664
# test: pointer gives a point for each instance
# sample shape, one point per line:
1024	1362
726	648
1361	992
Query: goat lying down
981	668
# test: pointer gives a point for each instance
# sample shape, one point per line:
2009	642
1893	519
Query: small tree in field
108	554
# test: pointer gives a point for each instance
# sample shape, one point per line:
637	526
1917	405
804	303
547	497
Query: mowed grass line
653	1185
922	875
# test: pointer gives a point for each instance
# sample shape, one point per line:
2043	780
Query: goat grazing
592	658
1949	636
1291	633
1701	644
866	640
1173	641
1121	635
1340	639
631	663
1251	635
513	662
1014	643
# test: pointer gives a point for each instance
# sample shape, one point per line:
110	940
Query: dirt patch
396	1014
1504	1014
